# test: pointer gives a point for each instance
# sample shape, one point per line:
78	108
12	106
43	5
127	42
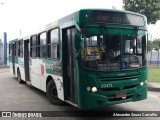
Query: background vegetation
154	74
150	8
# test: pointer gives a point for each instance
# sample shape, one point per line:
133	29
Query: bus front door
69	65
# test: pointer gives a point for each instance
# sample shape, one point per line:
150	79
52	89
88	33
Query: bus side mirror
77	41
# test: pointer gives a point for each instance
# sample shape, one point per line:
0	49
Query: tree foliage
154	45
150	46
150	8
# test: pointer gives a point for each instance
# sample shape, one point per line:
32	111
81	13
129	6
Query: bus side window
42	50
20	48
15	45
53	44
33	44
16	52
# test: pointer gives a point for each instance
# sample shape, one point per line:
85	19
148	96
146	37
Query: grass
154	74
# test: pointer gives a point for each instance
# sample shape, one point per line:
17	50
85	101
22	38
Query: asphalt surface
21	97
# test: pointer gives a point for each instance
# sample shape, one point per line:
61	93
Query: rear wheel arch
48	79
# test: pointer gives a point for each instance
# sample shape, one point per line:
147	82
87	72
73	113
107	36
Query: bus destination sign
111	17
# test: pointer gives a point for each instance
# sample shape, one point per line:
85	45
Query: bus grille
111	91
118	89
119	78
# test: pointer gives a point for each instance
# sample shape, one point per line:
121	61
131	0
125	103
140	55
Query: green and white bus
90	59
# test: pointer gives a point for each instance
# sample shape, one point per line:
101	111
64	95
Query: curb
4	69
153	88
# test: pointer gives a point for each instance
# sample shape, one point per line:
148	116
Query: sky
30	16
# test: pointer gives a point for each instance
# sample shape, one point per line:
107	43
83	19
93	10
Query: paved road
20	97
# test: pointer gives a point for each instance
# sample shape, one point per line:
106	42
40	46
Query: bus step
28	82
70	102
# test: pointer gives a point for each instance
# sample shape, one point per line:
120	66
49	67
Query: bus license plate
121	95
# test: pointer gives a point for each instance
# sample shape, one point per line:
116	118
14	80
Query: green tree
150	45
150	8
156	44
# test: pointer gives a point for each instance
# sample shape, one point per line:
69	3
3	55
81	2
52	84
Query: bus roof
72	16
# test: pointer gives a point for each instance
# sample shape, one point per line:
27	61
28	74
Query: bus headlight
94	89
142	83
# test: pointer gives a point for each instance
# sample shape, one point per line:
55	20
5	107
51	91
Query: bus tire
19	77
52	93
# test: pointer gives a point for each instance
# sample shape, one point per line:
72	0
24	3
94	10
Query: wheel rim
54	91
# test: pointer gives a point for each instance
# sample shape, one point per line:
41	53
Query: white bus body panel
21	68
35	73
57	79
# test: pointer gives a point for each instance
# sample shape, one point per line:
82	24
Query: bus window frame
20	47
49	40
33	46
39	45
16	49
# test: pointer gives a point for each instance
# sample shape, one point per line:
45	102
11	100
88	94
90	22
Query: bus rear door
26	59
13	57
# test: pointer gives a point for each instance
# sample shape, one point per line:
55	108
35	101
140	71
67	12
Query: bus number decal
106	85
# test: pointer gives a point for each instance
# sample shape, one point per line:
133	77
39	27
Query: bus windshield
113	50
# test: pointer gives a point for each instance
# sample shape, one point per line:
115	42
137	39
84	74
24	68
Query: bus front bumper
92	100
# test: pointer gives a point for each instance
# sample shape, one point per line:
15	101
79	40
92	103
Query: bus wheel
52	93
19	77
